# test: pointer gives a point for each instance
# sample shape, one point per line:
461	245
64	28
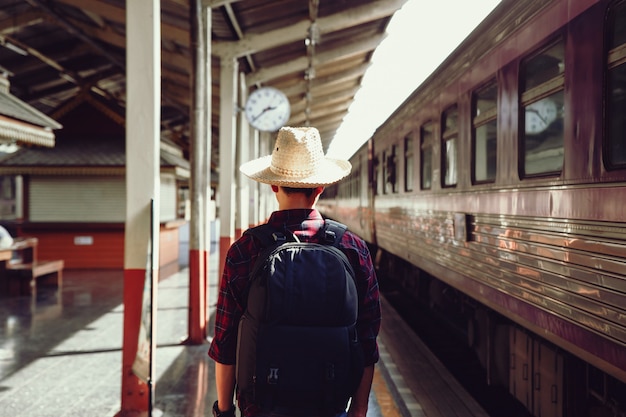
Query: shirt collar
294	217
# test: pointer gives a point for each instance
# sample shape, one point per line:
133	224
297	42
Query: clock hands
265	110
538	114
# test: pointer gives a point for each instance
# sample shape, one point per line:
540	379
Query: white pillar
143	110
267	199
228	100
199	241
243	155
254	188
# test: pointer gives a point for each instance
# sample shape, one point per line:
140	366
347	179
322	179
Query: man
297	171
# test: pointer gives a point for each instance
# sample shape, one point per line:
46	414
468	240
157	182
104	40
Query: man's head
297	161
296	198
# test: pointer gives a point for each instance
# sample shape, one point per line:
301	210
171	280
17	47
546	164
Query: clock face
540	115
267	109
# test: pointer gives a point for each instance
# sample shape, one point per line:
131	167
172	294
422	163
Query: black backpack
297	348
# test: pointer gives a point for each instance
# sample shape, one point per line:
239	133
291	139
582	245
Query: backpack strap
333	232
266	234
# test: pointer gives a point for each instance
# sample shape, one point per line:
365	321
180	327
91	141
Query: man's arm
225	385
358	405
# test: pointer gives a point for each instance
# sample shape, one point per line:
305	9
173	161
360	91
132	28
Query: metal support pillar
143	110
228	99
199	230
267	200
254	189
243	155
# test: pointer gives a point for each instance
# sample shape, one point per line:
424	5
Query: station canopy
64	52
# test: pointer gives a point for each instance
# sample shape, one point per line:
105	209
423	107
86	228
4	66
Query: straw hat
297	161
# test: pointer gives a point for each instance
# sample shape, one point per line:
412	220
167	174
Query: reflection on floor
60	354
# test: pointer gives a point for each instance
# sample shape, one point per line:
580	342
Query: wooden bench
23	270
23	277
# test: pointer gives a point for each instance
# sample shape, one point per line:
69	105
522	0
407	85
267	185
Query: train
495	196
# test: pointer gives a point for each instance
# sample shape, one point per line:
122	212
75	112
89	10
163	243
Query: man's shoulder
354	237
243	247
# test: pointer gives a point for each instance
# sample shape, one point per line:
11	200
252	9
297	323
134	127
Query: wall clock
267	109
540	115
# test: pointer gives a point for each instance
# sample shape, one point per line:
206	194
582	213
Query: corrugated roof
21	123
85	153
316	52
15	108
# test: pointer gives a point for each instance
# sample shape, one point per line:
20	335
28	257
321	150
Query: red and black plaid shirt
304	223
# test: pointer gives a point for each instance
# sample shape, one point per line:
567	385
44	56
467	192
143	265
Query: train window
383	174
376	174
450	131
484	125
615	151
331	191
391	180
389	171
408	163
542	78
426	155
356	184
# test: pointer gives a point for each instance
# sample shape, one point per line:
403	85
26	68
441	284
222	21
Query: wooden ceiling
59	53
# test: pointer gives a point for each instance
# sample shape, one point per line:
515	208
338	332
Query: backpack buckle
330	236
272	376
279	237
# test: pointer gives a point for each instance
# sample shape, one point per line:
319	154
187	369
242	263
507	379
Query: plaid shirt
240	259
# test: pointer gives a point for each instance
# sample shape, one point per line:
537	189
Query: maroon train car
499	197
351	199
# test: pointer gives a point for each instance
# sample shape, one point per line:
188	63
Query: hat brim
330	171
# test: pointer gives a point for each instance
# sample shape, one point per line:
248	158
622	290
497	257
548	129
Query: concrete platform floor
61	353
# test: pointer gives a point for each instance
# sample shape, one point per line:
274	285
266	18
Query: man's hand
228	413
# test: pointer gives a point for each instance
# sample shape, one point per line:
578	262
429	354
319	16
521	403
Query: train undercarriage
544	379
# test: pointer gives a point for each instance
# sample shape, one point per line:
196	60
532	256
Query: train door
536	375
520	366
547	381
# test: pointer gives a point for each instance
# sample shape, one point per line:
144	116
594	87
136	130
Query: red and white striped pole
143	109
